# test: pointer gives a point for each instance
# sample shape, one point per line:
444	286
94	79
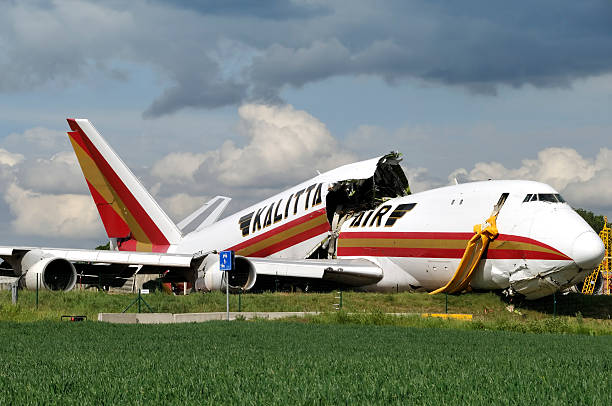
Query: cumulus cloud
583	181
181	205
476	45
283	145
9	159
59	174
62	215
37	141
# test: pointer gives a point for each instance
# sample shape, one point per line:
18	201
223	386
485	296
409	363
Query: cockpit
544	197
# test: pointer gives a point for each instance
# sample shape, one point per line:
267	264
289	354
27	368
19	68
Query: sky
246	98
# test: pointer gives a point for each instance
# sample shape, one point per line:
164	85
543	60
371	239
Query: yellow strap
471	257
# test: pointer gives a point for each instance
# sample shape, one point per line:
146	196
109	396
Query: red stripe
408	235
517	238
279	229
76	136
442	236
113	223
159	248
141	216
400	252
442	253
296	239
517	254
131	245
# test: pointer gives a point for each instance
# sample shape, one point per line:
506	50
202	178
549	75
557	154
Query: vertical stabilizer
128	211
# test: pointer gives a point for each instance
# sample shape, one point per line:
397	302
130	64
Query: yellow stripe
144	247
283	235
401	243
430	243
95	177
448	316
519	246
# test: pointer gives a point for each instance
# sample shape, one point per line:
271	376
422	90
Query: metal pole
227	293
554	305
340	300
139	300
446	302
14	293
37	276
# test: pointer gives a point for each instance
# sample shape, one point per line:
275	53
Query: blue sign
226	260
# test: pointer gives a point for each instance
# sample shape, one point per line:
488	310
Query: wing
352	272
60	269
268	273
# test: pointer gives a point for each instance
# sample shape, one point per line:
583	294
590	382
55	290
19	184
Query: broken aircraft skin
417	240
357	226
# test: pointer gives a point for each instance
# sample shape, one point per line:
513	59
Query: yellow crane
603	268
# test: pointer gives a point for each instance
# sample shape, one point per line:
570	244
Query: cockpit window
544	197
547	197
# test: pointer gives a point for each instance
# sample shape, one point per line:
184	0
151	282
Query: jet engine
242	277
53	273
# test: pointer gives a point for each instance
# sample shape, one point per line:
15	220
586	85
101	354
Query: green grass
489	310
294	363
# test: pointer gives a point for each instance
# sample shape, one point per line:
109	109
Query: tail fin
128	211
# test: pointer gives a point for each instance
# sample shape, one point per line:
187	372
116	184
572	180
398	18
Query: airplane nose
588	250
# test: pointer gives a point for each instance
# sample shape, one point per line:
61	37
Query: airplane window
527	198
547	197
560	198
534	197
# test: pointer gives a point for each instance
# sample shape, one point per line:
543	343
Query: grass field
296	363
489	310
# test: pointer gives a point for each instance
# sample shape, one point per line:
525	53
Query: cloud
59	174
271	9
37	141
9	159
196	50
583	181
283	146
62	215
181	205
56	41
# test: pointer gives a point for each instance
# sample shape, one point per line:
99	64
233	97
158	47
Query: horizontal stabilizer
211	218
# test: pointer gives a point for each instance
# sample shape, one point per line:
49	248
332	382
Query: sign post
226	265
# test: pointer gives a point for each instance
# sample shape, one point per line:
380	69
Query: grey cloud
479	45
196	94
270	9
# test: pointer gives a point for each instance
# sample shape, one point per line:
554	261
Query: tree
595	221
104	247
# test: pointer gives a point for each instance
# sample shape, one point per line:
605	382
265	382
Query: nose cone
588	250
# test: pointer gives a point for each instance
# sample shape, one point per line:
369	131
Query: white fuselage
543	246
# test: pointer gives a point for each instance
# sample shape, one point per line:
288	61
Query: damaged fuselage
365	211
356	226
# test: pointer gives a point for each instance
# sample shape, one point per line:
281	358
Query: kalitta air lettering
245	223
286	207
398	213
373	218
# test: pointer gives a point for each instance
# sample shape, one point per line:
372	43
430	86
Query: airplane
354	227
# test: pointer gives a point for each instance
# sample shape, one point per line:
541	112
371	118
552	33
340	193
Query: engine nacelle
241	278
53	273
